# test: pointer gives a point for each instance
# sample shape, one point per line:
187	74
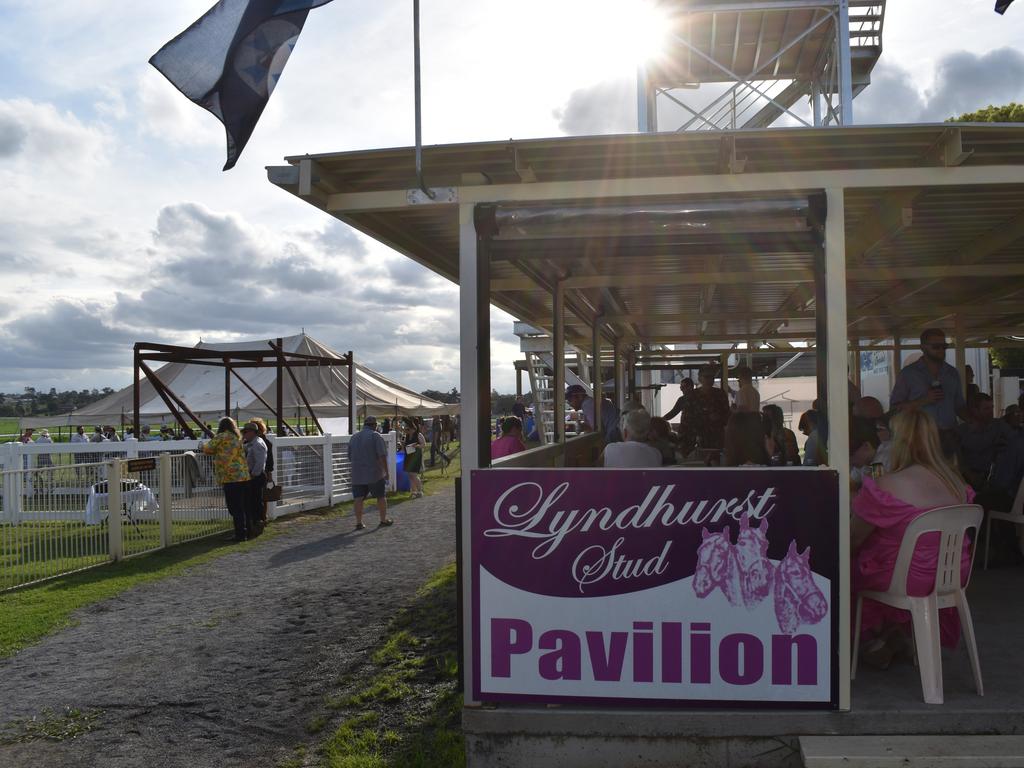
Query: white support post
328	458
114	509
595	374
845	67
961	351
838	413
166	499
470	427
897	360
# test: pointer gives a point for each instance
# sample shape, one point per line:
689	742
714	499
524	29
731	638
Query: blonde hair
261	425
915	440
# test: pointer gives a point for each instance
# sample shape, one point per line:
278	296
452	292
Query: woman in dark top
745	443
708	410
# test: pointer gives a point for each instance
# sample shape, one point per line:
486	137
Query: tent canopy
201	387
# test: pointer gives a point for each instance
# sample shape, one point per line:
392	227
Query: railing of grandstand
55	498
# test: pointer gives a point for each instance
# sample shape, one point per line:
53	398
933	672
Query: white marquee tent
202	389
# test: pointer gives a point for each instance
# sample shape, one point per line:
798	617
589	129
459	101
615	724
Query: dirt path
225	665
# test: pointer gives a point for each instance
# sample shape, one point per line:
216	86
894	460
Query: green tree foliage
32	402
1007	357
1008	113
452	396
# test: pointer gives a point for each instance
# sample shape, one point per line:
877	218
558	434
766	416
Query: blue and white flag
1002	5
230	59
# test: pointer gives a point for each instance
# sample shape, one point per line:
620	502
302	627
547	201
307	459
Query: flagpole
416	82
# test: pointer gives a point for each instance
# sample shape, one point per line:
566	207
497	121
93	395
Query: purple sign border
616	701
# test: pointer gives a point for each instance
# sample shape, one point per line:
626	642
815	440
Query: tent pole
351	393
227	384
266	405
280	394
298	388
135	392
164	395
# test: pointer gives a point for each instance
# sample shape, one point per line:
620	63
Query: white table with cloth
136	500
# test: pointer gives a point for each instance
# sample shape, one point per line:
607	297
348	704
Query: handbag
272	492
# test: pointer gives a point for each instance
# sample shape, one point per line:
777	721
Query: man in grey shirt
368	460
577	397
932	385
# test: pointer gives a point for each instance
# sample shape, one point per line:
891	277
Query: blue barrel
401	478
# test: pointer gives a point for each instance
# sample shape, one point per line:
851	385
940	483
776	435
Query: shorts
373	490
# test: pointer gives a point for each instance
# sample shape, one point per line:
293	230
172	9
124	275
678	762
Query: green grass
405	711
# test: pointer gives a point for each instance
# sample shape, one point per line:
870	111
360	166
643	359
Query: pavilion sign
691	587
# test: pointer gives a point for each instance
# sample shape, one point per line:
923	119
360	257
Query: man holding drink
932	385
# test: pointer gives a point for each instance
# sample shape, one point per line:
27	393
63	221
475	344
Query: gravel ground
226	664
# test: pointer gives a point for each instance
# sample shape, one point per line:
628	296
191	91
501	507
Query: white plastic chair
952	524
1015	516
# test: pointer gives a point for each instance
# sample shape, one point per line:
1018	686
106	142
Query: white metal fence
55	498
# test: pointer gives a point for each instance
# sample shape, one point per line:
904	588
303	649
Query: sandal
359	526
386	522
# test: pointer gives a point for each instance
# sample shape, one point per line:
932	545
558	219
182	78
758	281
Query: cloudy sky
117	225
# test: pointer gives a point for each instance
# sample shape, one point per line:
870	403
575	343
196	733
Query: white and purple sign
687	587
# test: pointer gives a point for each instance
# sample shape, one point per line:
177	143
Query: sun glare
616	36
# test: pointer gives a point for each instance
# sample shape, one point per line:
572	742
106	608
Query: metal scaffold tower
747	63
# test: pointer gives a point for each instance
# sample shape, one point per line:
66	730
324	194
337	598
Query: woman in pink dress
921	479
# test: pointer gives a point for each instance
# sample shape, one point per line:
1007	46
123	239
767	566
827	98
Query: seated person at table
745	442
981	438
809	428
511	440
922	479
633	450
661	437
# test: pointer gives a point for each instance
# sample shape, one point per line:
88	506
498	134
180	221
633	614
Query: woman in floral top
231	471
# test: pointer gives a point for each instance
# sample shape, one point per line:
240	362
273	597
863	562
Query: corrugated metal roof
661	276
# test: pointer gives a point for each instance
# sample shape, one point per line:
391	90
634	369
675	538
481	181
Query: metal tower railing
759	59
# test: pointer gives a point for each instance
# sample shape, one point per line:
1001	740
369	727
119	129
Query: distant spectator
44	459
745	443
129	435
748	400
147	435
268	468
26	436
633	450
97	436
511	440
79	437
111	434
413	447
519	409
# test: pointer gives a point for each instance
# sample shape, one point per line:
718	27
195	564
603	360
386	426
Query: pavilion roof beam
892	215
991	242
